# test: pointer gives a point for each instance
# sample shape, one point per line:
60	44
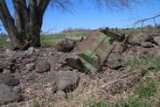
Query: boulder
157	40
153	52
10	81
9	53
147	44
7	94
138	38
66	80
115	61
65	45
42	66
54	61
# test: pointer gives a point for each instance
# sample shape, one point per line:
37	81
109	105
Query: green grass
4	44
147	31
49	40
143	63
95	103
133	102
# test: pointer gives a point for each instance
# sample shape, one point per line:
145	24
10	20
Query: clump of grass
96	103
133	102
132	62
4	44
147	88
35	103
143	63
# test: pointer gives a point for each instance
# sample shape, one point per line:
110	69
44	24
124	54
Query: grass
49	40
4	44
95	103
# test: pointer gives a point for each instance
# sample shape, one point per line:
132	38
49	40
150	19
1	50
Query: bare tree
25	27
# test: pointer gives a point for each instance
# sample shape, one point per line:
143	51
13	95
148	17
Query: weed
35	103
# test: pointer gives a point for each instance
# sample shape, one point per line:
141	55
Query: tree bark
9	25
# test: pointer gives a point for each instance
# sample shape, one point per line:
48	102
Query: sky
88	17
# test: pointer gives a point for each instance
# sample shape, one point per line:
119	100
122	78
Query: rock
65	45
42	66
10	81
62	94
153	52
8	40
6	72
147	44
115	61
30	51
157	40
66	80
138	38
54	61
9	53
32	77
30	66
7	94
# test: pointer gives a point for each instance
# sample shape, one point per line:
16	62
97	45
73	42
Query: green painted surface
98	47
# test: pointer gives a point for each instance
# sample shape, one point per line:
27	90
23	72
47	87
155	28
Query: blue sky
88	17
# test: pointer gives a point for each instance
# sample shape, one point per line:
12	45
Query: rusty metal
93	50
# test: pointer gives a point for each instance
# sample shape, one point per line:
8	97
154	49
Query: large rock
115	61
66	80
157	40
147	44
42	66
9	53
65	45
7	94
10	81
54	61
138	38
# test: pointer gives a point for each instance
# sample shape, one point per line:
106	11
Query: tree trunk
9	25
28	19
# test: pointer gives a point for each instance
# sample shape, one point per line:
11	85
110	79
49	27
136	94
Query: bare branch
146	19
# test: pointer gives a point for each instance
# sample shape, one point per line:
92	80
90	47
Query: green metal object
93	50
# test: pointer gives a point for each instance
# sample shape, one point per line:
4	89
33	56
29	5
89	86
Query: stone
32	77
54	61
138	38
10	81
9	53
6	72
30	51
147	44
115	61
61	94
30	66
8	40
65	45
157	40
42	66
66	80
153	52
7	94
